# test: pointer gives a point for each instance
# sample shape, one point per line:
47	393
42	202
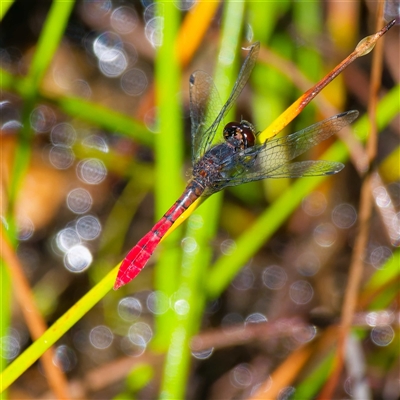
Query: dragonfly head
240	134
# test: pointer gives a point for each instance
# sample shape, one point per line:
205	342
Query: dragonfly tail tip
117	284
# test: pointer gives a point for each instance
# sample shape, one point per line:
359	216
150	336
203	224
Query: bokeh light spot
105	44
79	201
9	347
129	308
255	318
344	216
61	157
325	235
101	337
203	354
88	227
113	63
133	349
189	245
228	247
231	319
96	142
134	82
67	238
184	5
140	333
380	255
307	264
42	119
97	9
81	88
91	171
314	204
65	358
274	277
301	292
157	302
244	280
78	258
382	335
26	228
124	19
181	307
63	134
241	376
304	334
154	31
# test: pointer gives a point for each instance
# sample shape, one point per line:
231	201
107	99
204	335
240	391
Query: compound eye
248	136
230	129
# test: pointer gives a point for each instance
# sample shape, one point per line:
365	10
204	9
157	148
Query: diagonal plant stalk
4	6
250	241
32	316
189	302
226	267
357	263
48	42
169	146
96	295
389	272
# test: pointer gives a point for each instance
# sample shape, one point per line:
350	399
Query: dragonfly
232	158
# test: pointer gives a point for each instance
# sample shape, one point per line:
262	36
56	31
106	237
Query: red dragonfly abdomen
137	258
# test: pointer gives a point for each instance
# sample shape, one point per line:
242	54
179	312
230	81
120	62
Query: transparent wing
205	117
308	168
270	160
292	170
205	105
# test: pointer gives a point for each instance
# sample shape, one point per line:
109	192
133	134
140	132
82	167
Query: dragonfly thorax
240	134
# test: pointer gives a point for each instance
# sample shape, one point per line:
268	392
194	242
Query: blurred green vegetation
250	215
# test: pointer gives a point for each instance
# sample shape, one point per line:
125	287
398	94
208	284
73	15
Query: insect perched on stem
233	158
